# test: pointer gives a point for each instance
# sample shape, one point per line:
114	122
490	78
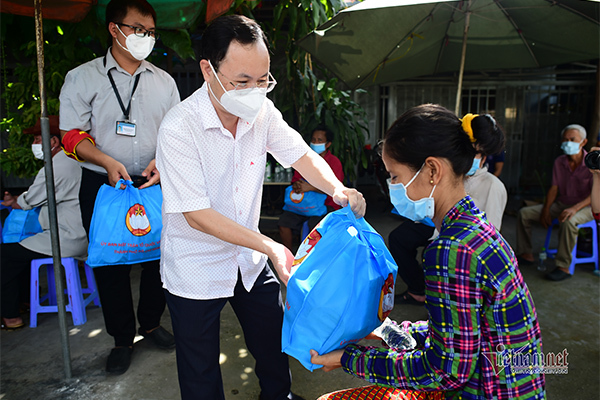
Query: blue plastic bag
21	224
126	225
341	287
308	203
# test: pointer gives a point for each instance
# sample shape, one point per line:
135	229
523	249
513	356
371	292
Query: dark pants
114	284
196	328
15	266
403	243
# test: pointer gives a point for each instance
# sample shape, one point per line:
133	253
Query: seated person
495	163
321	140
16	257
568	200
488	194
477	300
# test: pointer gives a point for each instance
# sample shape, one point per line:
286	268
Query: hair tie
466	125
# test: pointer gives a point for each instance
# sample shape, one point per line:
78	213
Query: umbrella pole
56	258
461	71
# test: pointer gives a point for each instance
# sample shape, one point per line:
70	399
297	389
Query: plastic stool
576	258
77	303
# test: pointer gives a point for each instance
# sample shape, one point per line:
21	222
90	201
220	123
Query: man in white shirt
211	155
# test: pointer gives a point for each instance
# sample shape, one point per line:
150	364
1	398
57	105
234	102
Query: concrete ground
32	365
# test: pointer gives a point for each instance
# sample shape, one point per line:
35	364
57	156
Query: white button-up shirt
203	166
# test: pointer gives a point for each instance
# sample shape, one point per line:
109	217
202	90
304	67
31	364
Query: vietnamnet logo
521	361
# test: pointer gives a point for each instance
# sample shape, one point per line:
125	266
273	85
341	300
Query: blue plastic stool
577	257
75	292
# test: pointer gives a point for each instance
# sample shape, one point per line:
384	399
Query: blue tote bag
308	203
21	224
341	287
126	225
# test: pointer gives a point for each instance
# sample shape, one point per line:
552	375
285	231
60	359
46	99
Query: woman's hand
329	361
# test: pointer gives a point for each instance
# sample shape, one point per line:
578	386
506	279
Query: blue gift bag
341	287
126	225
308	203
21	224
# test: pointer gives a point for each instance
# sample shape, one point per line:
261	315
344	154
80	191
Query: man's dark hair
116	10
328	132
222	31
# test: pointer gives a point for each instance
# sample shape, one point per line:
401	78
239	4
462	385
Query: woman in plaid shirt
482	340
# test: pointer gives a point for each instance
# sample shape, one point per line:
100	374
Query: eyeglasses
141	32
265	84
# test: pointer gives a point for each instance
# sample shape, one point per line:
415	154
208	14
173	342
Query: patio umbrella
380	41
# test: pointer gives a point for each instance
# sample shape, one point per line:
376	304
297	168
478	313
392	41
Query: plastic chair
577	257
76	305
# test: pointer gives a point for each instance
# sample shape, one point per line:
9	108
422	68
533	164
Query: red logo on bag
137	221
307	245
386	299
296	197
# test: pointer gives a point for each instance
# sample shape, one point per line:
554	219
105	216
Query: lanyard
112	82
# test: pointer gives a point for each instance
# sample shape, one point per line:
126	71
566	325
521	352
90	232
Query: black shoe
119	360
558	275
523	261
160	336
294	397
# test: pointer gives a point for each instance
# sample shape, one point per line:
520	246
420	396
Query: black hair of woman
430	130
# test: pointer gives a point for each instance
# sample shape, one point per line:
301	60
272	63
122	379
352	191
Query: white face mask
37	151
245	103
138	47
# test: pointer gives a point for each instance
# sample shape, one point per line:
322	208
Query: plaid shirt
480	312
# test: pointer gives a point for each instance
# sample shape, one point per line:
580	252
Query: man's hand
116	171
152	174
353	198
329	361
282	259
10	201
567	214
545	218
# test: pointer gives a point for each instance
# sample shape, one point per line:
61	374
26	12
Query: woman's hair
222	31
430	130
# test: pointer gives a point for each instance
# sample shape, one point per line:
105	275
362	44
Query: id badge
125	128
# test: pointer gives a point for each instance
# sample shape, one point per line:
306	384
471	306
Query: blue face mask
419	211
570	148
474	167
318	148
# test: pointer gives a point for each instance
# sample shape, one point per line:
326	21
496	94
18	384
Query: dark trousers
114	284
196	328
15	266
403	243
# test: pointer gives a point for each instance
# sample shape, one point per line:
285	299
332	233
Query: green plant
67	45
307	100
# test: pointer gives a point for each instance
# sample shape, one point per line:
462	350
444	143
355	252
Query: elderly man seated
568	200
